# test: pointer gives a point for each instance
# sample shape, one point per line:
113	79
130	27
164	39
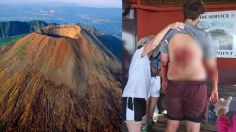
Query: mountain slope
112	43
59	79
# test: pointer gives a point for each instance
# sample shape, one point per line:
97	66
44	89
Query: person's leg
134	110
174	105
147	109
234	124
152	106
223	123
140	110
195	104
144	127
154	94
145	117
193	126
150	110
134	126
172	125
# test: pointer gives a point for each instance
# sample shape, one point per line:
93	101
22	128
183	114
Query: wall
151	18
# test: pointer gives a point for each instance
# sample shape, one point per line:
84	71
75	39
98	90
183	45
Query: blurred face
147	42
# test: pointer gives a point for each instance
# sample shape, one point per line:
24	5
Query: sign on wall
221	28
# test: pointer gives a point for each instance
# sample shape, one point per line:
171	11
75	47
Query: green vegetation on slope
13	28
11	40
1	127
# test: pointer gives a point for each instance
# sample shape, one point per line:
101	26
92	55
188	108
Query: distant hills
16	28
13	28
108	20
112	43
59	78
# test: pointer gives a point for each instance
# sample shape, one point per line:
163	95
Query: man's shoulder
201	31
196	30
188	29
170	34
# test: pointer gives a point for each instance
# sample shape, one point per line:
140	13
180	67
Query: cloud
100	3
90	3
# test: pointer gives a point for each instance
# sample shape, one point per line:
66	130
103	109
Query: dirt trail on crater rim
59	79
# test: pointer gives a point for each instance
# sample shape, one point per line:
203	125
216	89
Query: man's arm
211	66
164	69
156	41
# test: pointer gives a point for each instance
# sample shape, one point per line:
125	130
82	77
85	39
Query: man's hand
163	87
177	25
158	38
214	96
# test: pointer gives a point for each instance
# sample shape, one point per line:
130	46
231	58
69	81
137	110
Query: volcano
59	78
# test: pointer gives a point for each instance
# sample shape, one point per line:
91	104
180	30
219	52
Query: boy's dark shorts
133	109
186	100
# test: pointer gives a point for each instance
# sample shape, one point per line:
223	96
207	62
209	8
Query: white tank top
139	76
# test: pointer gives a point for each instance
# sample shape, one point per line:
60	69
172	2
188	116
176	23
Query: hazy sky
90	3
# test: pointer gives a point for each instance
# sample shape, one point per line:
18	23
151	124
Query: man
187	57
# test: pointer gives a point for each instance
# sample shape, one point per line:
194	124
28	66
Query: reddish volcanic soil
59	79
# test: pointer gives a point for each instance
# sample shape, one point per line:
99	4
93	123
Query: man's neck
191	22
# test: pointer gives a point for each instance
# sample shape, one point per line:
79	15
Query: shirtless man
187	59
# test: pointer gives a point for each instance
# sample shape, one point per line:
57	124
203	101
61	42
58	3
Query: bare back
185	59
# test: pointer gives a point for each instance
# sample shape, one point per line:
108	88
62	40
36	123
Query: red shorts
186	100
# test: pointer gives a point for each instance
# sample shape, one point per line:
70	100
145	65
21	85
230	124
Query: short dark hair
192	9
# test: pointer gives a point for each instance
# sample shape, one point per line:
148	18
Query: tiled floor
161	125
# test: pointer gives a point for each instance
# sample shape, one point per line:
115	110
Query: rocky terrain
59	78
